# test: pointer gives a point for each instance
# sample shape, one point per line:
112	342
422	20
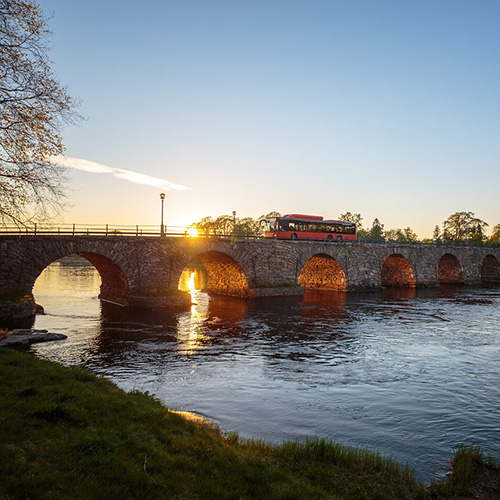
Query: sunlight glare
191	283
193	232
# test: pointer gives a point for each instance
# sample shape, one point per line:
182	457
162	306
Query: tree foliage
377	231
227	225
354	218
406	235
495	235
33	108
462	226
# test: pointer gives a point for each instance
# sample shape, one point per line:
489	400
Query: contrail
134	177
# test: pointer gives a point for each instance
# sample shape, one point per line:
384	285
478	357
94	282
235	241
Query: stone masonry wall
139	266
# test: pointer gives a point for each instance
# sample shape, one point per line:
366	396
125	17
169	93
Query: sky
387	108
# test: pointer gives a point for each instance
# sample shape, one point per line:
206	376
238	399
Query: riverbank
68	433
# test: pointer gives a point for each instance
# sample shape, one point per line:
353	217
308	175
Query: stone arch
322	271
450	270
397	271
225	276
490	270
114	283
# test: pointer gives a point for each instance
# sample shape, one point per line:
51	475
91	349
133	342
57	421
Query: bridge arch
450	270
322	271
397	271
224	274
490	270
114	283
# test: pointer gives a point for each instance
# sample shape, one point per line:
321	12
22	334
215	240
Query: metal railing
179	231
93	230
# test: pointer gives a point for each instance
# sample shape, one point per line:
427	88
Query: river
409	373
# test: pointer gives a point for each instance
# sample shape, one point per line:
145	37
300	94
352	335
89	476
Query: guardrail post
137	230
35	228
73	230
106	229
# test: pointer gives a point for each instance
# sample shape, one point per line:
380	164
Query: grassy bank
67	433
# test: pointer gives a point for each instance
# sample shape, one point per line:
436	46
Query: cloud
119	173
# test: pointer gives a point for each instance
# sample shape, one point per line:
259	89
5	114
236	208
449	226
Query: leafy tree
354	218
33	108
226	225
495	235
247	227
410	235
377	231
222	225
401	235
396	235
436	234
462	226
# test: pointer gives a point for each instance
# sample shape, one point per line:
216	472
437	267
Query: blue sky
389	108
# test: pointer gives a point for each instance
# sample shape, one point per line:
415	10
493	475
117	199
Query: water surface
409	373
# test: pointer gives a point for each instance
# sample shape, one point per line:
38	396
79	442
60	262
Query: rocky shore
25	337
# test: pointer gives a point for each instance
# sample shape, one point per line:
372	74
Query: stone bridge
148	271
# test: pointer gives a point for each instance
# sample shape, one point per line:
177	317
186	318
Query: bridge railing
93	230
179	231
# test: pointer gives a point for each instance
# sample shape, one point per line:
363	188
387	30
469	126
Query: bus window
284	225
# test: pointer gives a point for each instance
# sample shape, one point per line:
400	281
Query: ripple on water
409	376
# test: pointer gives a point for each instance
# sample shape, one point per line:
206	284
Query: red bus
309	227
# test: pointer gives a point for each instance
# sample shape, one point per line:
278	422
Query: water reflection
191	326
408	372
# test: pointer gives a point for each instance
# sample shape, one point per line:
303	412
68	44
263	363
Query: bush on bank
68	433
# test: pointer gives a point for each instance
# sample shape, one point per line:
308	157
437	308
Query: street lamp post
234	222
162	228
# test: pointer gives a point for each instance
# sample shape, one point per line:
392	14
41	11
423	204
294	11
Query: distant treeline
458	227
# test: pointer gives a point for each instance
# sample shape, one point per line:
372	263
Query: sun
193	232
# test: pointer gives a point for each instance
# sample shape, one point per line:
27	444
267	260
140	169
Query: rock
19	310
22	337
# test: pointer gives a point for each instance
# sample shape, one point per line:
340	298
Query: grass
474	475
67	433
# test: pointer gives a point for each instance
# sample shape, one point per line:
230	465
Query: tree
207	226
33	108
410	235
436	234
495	235
226	225
406	235
354	218
377	231
462	226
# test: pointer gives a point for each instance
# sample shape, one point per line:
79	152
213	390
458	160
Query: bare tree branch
34	107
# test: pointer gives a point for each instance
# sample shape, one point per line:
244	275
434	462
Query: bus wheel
294	236
329	238
339	238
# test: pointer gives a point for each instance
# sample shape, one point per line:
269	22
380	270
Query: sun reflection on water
191	325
